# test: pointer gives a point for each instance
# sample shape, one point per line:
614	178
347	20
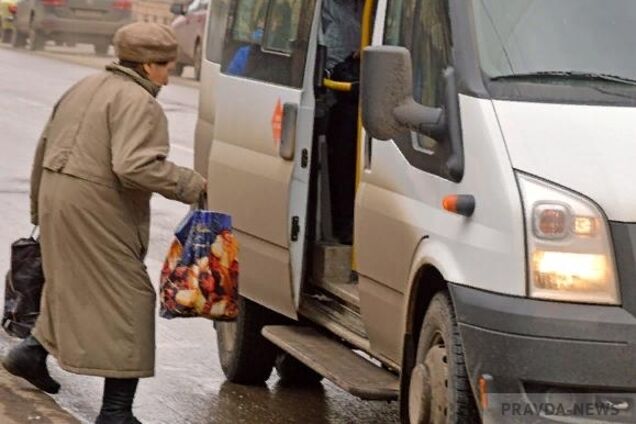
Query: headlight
570	256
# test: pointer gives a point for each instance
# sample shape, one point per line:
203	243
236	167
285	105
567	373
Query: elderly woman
101	156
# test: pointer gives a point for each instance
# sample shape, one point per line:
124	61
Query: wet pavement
189	386
21	403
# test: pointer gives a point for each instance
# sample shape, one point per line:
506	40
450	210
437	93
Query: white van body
511	238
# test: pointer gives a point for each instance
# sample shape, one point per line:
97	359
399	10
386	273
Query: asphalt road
189	386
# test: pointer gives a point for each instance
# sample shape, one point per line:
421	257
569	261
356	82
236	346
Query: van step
346	292
346	369
329	313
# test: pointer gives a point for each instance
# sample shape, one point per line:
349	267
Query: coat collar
148	85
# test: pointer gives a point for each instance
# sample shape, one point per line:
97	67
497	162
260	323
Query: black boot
28	360
119	394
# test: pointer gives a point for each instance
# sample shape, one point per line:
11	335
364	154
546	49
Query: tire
36	39
178	69
6	35
18	39
198	58
101	48
292	372
246	357
439	390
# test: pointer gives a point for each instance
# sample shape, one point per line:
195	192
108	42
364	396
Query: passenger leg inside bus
341	140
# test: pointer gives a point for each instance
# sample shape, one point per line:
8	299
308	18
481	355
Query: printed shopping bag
200	274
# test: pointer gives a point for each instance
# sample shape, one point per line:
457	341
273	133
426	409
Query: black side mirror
388	107
177	9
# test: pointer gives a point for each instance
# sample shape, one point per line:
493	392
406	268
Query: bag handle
203	200
36	230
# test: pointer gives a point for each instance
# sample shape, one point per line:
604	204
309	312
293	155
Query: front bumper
533	348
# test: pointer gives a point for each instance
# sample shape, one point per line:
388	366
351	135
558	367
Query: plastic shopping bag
200	274
23	287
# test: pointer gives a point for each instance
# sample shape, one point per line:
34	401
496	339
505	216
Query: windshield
575	37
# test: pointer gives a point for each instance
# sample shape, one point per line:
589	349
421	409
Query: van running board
337	363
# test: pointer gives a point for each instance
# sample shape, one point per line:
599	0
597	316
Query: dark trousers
342	135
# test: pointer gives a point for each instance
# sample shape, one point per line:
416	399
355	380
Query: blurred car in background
69	21
189	25
7	13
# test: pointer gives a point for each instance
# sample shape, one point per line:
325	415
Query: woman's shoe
28	360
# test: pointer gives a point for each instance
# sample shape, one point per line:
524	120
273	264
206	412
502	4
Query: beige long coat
101	156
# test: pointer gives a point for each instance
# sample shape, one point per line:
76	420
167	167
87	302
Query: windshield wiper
567	75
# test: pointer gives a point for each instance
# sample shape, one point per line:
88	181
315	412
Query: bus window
268	40
282	25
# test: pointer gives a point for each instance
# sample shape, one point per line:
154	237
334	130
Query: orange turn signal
483	393
462	204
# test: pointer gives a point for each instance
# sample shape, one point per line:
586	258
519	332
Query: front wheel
18	39
198	58
101	47
36	39
246	356
6	35
439	390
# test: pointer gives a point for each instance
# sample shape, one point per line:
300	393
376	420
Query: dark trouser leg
342	141
119	394
28	360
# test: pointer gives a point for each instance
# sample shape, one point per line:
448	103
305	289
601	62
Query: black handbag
23	287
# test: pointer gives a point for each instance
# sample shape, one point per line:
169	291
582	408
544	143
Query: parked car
189	26
7	13
70	21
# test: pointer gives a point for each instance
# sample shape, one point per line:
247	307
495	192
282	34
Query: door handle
287	145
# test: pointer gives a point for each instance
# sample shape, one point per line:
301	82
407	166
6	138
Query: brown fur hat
145	42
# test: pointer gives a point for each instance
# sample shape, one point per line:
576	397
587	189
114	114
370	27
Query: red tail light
13	9
54	3
122	4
